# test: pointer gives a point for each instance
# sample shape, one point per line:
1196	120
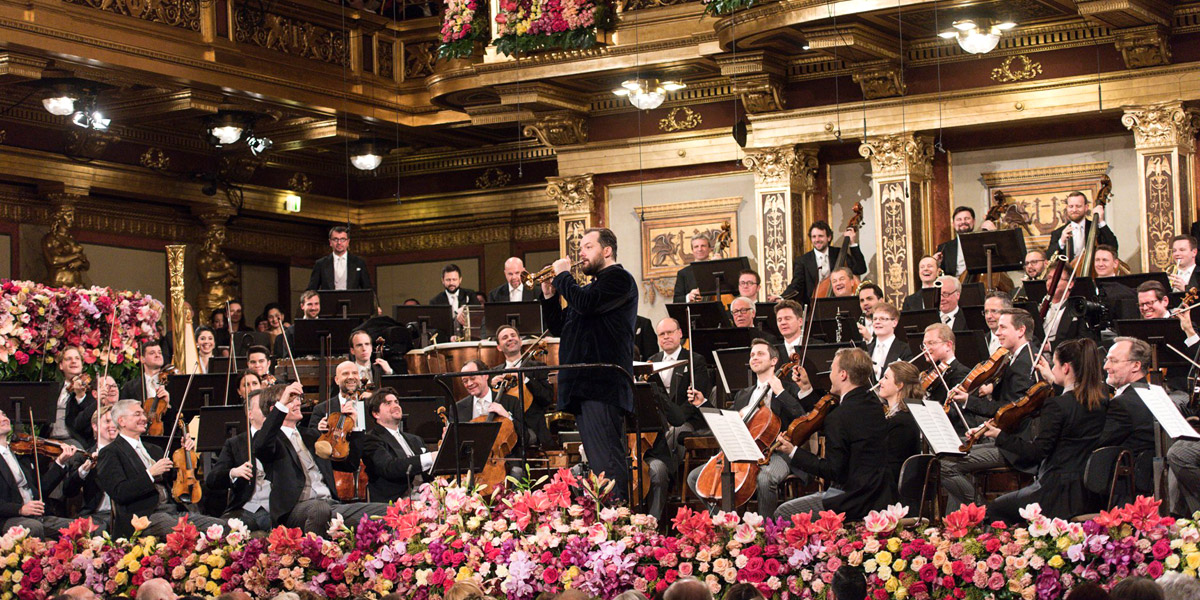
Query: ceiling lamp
647	94
59	99
977	37
226	128
366	155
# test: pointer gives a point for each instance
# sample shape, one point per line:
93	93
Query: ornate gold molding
1160	200
684	209
299	182
560	129
1163	125
184	14
155	158
681	118
176	255
895	229
571	194
881	81
492	178
1024	69
88	142
1147	46
784	165
418	59
760	93
903	155
385	58
395	241
290	36
1087	171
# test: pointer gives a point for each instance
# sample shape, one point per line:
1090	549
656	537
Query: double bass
825	287
1082	265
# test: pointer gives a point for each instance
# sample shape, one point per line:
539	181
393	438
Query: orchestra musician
107	394
885	349
817	264
948	310
134	475
508	342
393	459
94	502
249	491
677	381
206	344
644	340
743	311
303	490
1153	300
1070	324
140	388
226	325
749	284
843	282
789	319
258	361
482	400
1183	252
74	397
361	349
1129	422
686	287
1070	424
869	296
1120	300
778	395
1014	327
1104	262
993	304
855	464
310	305
900	384
1034	266
513	290
340	270
949	254
939	343
596	326
21	502
1070	238
452	295
347	376
927	274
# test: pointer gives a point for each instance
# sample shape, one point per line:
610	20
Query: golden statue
218	275
65	261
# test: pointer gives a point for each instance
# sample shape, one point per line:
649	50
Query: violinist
927	274
394	459
948	309
949	254
901	384
885	348
994	303
1070	425
1070	238
20	499
677	381
817	264
855	463
1183	252
258	360
360	352
346	375
1070	323
74	396
303	490
1129	422
247	382
147	386
789	319
780	397
249	491
686	287
80	479
939	345
206	343
508	341
133	473
1014	326
107	394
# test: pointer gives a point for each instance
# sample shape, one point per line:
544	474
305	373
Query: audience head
275	316
630	595
261	324
1136	588
156	589
1087	590
1177	586
81	592
464	590
687	588
848	584
742	591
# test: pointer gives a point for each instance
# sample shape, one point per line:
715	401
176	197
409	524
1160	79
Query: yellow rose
901	594
1193	561
884	558
894	544
18	576
212	588
870	565
1056	561
122	578
1064	543
1172	562
899	565
201	570
464	573
892	585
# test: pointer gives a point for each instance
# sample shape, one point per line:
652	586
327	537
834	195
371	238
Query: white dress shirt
879	355
58	430
961	266
314	482
17	472
760	389
453	298
666	374
105	501
426	458
948	318
479	406
339	272
993	343
822	263
791	346
516	294
261	498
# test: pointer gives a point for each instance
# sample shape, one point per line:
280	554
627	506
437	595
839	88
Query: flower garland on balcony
464	23
720	8
527	25
37	322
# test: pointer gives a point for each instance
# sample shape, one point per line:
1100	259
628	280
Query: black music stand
829	308
836	331
646	418
220	364
466	447
425	321
707	340
913	322
818	361
421	418
220	423
242	340
414	386
970	347
17	397
971	294
988	253
930	296
733	368
525	316
708	315
1035	290
717	277
1133	281
345	304
207	390
764	318
1158	333
308	334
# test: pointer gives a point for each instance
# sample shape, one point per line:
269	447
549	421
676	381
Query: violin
186	488
82	379
155	407
509	381
1010	416
164	374
24	443
786	369
825	286
267	379
334	444
1187	302
804	427
983	373
930	377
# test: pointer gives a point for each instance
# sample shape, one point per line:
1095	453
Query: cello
764	427
825	287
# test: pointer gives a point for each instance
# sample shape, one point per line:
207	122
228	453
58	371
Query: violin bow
37	469
232	354
691	355
940	374
108	346
179	412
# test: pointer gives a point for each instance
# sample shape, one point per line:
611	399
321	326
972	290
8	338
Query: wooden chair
920	478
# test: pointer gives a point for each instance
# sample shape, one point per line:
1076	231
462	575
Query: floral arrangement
527	25
463	24
37	322
721	8
525	541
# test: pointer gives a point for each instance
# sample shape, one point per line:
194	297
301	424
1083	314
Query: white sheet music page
1166	412
731	433
936	427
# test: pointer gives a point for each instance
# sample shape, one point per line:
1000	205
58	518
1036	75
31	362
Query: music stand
646	418
242	340
1158	333
1035	290
975	319
818	362
414	386
220	423
220	364
1133	281
709	315
990	252
829	308
421	418
525	316
207	390
308	334
717	277
930	296
914	322
466	447
764	318
17	397
345	304
733	368
970	347
428	320
971	294
708	340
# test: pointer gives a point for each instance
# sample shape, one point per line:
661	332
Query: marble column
784	178
901	171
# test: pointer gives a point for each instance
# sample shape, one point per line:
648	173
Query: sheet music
721	373
731	433
936	427
1167	414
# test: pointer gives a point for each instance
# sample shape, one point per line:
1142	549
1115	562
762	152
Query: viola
764	427
154	406
1010	416
786	369
985	372
186	488
804	427
930	377
825	287
334	444
24	443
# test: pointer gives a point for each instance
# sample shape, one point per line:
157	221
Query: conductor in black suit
686	287
339	270
393	458
596	327
816	264
1071	237
949	254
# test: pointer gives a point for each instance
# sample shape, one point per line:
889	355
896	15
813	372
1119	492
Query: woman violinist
901	383
1070	428
206	343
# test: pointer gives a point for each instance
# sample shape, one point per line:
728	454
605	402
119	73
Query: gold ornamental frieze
571	194
894	233
1160	208
1016	68
492	178
184	14
1163	125
681	118
290	36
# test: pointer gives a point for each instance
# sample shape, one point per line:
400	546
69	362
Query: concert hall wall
6	256
850	182
421	280
260	286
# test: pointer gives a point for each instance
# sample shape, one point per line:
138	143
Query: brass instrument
547	273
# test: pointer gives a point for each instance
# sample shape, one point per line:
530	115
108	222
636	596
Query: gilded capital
572	194
880	81
1163	125
1147	46
903	155
562	129
783	165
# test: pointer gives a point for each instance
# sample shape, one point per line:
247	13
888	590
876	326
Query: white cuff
805	393
281	407
426	461
1191	340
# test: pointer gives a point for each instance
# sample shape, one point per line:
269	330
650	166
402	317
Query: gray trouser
675	437
813	503
769	478
45	526
313	515
1183	462
958	474
163	522
660	481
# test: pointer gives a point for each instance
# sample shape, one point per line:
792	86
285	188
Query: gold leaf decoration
680	118
300	182
492	178
155	158
1009	72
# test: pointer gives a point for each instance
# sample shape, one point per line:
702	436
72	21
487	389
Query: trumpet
531	280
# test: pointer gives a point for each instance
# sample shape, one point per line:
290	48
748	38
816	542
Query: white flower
336	525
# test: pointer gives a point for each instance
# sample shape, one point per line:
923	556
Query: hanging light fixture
367	155
977	36
59	99
647	94
226	128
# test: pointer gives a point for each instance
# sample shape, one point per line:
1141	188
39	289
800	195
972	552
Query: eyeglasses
742	311
1147	304
949	294
1116	361
1036	261
882	318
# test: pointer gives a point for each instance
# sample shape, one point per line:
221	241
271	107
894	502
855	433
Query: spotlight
367	155
60	99
258	144
93	119
226	128
647	94
977	37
